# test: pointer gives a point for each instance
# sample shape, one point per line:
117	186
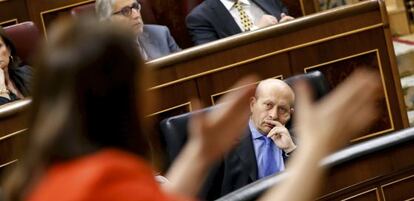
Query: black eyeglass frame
127	10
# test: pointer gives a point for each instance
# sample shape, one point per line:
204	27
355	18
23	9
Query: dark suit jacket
238	169
157	41
211	21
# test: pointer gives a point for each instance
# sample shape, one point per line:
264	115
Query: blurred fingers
196	104
245	88
365	117
356	102
360	87
303	100
236	102
197	120
365	92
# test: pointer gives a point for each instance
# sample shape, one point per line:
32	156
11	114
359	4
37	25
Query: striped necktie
245	20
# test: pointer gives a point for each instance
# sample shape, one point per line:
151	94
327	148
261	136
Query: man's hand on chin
281	136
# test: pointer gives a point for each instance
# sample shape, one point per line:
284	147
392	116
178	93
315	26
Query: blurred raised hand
215	132
341	114
212	134
324	126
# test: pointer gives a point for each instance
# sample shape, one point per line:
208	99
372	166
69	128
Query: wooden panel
216	83
13	133
43	12
9	22
171	100
173	111
369	172
215	97
12	10
157	147
326	56
369	59
300	8
227	59
14	123
13	146
401	189
370	195
8	166
172	96
13	137
266	44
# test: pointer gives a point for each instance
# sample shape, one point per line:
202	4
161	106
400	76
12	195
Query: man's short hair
104	9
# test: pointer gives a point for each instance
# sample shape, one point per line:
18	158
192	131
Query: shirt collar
255	133
230	3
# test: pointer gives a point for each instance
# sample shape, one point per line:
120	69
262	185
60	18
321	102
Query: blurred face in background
128	13
4	54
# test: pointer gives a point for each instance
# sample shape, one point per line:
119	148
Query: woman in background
87	141
15	78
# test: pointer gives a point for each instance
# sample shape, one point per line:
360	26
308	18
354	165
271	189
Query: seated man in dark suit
153	41
215	19
264	148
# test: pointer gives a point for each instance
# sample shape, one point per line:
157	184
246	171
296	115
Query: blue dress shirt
259	145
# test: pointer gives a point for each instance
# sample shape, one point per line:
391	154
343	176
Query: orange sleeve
105	176
130	185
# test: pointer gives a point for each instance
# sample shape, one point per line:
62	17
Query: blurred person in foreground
153	41
91	86
15	78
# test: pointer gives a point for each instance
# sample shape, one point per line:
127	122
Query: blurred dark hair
85	98
16	61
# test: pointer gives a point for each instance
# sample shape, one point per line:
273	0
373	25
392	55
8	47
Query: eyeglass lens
128	10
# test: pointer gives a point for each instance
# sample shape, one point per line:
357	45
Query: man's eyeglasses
127	10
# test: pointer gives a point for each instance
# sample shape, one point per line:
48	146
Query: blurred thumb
303	97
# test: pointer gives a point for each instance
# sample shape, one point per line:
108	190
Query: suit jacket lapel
245	152
150	46
223	18
267	6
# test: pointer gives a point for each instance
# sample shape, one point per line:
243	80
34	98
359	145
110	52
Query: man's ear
292	110
252	102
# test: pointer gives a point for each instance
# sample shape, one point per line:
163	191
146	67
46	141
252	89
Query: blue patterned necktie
268	162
